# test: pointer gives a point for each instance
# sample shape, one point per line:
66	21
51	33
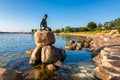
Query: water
14	46
72	56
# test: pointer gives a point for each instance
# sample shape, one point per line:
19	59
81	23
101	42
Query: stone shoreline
105	54
106	57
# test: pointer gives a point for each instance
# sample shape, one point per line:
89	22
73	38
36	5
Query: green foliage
57	31
32	30
35	30
106	25
99	27
67	29
111	25
83	29
117	22
62	30
91	26
119	29
74	29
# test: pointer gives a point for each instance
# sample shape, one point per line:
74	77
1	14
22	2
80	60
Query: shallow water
14	46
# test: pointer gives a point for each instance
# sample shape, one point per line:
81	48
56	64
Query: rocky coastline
106	55
105	50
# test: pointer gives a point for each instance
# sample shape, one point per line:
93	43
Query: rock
112	32
83	71
86	45
74	45
115	78
108	62
80	76
43	73
44	38
58	63
70	47
79	46
81	67
36	56
88	40
116	35
29	52
100	73
6	74
106	73
71	41
51	54
29	75
51	67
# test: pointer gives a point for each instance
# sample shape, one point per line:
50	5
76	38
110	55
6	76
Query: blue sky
24	15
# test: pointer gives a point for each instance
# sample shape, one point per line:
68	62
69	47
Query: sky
24	15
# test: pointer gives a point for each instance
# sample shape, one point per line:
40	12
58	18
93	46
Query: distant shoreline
15	33
78	35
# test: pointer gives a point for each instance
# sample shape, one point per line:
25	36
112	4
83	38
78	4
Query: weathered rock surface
29	52
6	74
36	56
45	58
82	43
51	54
44	38
106	56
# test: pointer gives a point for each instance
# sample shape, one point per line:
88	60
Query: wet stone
83	71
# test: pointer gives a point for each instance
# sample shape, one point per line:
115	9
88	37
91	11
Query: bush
83	29
91	26
119	30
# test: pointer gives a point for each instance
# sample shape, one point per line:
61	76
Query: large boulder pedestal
45	57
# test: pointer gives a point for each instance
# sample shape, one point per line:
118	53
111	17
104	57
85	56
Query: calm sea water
14	46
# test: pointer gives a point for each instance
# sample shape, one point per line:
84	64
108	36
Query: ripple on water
14	46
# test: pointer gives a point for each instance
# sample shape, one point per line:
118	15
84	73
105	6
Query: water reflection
43	73
12	56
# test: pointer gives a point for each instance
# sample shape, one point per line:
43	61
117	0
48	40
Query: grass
89	32
94	32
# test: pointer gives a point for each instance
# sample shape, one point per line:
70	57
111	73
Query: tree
106	25
57	31
67	29
111	25
82	29
35	30
62	29
117	24
32	30
91	26
99	27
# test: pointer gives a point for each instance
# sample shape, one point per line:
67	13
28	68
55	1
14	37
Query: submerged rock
51	67
71	41
29	52
6	74
45	58
70	47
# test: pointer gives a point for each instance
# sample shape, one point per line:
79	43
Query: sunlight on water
14	46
